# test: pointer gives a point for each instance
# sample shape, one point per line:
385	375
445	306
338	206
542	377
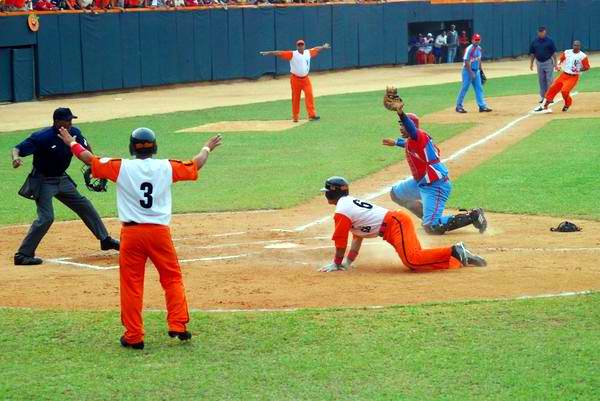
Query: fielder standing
471	75
366	220
300	67
543	51
144	205
572	62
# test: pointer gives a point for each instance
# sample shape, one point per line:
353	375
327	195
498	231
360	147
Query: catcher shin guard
454	222
415	207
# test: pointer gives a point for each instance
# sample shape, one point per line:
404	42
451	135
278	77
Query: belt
299	77
130	223
382	229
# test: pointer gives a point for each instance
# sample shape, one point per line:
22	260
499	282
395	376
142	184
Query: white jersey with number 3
366	218
573	62
144	191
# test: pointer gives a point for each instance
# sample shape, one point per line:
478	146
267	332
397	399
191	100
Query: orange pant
400	233
299	85
564	83
138	243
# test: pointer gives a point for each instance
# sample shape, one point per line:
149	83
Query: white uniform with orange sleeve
361	218
574	63
144	186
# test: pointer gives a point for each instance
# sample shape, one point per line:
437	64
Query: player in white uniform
572	62
144	205
366	220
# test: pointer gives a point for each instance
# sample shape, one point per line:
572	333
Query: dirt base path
106	106
267	259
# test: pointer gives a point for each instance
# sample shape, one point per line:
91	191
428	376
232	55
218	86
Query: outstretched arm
78	150
408	125
200	158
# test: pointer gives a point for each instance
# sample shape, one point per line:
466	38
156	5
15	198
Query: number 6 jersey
363	219
144	186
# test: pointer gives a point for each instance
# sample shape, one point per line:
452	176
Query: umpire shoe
109	243
484	109
125	344
479	220
460	110
24	260
182	335
466	257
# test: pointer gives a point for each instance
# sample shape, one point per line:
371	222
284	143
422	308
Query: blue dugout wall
74	53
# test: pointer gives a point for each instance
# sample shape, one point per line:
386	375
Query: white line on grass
455	155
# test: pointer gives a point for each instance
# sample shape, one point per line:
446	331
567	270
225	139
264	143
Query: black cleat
466	257
182	335
460	110
125	344
314	118
24	260
565	108
484	109
109	243
479	220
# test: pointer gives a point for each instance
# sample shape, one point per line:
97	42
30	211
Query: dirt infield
267	259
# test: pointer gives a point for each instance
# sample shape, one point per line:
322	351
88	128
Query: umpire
51	158
543	50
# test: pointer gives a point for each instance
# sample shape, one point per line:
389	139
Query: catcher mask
142	142
335	188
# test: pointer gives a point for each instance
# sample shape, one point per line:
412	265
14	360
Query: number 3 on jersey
147	188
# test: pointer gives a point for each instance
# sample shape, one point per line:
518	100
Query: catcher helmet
335	188
142	142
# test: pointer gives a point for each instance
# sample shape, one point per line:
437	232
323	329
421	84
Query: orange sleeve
106	168
286	55
342	229
184	171
314	52
586	64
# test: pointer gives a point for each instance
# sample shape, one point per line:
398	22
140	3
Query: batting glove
331	267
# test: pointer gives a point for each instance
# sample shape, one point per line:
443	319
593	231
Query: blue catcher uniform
428	190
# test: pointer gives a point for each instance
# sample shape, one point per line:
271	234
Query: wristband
338	261
352	255
206	148
77	149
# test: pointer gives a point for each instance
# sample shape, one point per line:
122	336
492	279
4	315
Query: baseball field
251	233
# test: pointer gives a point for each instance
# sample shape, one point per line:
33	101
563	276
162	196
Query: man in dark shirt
543	50
51	158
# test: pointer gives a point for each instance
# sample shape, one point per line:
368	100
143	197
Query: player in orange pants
572	62
144	205
367	220
300	67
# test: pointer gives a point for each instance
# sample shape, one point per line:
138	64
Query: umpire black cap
63	113
142	142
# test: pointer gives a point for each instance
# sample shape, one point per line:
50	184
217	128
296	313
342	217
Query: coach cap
476	37
299	42
63	113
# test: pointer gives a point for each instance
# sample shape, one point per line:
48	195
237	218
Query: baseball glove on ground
391	100
93	184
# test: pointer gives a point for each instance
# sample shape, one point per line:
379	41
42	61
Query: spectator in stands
452	41
44	5
438	46
102	4
463	42
15	5
134	3
191	3
85	4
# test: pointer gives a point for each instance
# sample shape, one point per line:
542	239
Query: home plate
283	245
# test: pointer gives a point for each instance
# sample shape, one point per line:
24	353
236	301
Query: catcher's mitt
391	100
483	77
93	184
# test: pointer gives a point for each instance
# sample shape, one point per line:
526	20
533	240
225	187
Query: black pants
65	191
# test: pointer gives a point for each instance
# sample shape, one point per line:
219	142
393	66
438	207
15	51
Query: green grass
554	172
545	349
264	170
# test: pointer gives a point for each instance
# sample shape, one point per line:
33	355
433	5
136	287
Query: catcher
48	179
366	220
426	192
144	205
